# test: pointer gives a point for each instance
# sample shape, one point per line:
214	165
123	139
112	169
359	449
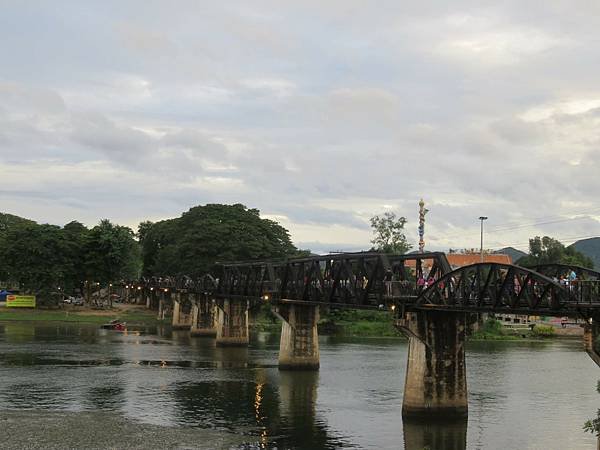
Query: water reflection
297	401
438	435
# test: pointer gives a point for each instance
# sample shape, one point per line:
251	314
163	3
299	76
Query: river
76	386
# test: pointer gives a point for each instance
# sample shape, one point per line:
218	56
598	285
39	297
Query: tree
389	234
75	234
7	223
111	253
37	257
192	243
143	230
547	250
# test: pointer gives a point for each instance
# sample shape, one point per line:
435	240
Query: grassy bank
493	329
131	316
338	323
353	322
368	323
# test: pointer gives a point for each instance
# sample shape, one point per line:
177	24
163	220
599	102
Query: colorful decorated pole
422	212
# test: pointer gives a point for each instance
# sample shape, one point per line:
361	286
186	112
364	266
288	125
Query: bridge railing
403	289
585	291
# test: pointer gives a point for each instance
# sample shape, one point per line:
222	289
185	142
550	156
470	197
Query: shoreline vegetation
493	330
342	323
133	316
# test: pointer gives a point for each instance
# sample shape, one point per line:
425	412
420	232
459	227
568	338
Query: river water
74	386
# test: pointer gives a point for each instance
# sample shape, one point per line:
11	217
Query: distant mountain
589	247
514	254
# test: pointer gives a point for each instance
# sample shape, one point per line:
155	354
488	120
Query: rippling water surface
521	395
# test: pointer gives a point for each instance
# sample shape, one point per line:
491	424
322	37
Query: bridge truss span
359	280
555	270
504	288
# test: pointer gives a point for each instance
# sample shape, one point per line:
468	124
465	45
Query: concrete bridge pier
591	339
232	323
299	345
182	312
203	317
436	384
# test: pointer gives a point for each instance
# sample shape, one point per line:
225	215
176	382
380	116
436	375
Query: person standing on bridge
388	282
420	283
572	280
430	281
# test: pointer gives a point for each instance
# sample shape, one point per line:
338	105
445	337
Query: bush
593	425
491	329
491	326
542	331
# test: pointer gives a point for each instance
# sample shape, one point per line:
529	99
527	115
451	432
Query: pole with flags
422	212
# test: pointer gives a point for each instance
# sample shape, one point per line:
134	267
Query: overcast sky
318	113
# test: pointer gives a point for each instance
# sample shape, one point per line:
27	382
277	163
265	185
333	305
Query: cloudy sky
318	113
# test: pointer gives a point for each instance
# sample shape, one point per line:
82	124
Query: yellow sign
20	301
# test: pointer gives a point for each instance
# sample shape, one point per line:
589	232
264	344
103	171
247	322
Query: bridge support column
232	323
591	339
182	319
203	317
299	345
436	384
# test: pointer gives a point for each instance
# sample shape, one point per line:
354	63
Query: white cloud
492	40
572	106
321	115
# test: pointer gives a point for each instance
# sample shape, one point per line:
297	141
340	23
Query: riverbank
361	323
493	329
350	323
132	314
343	323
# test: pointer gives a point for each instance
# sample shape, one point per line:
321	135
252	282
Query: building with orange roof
457	260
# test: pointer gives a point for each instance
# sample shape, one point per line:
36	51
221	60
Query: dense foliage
44	258
543	331
192	243
389	234
548	250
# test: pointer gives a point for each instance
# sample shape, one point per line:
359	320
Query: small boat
116	325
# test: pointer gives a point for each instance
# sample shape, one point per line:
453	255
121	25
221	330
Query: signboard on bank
20	301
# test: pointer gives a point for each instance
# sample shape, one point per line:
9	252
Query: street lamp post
482	218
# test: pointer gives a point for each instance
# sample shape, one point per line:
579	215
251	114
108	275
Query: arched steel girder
556	270
504	288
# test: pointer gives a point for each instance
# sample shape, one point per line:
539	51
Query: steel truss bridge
378	280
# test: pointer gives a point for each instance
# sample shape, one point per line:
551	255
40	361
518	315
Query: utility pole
482	218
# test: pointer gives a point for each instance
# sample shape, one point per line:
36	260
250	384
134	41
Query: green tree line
42	258
193	243
547	250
